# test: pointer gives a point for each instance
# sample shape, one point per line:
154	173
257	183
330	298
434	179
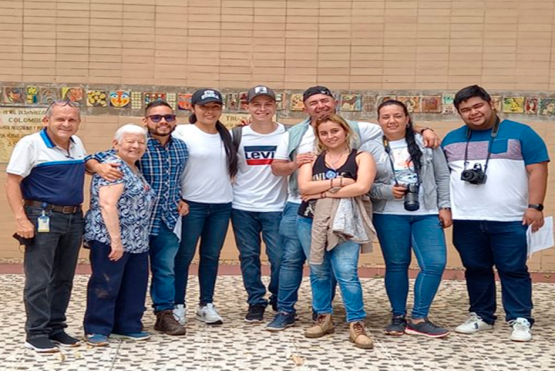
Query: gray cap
258	91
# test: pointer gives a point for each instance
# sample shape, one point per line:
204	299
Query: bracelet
341	181
331	183
323	194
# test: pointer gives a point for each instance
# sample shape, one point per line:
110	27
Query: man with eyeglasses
162	166
44	187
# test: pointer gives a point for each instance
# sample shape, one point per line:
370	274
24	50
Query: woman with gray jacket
410	197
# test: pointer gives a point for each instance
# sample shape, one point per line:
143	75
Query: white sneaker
473	324
180	314
209	315
521	330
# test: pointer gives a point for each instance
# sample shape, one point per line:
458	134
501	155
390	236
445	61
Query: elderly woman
116	231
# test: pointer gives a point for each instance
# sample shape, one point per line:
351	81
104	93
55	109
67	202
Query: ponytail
413	148
230	151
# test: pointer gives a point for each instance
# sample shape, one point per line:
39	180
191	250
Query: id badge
43	223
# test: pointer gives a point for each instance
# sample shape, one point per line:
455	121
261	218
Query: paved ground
240	346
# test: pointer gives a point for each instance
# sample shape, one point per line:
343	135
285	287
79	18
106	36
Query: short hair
349	133
129	129
157	103
470	92
63	103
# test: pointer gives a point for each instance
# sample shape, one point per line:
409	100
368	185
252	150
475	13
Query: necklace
333	163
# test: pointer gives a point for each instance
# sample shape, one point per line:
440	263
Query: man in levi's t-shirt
258	200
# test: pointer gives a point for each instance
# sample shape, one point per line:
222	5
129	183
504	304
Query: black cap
204	96
316	90
259	90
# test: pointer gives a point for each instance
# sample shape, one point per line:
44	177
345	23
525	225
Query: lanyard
494	132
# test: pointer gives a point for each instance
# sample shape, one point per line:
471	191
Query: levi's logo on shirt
259	155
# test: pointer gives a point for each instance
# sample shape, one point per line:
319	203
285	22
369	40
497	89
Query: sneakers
358	336
323	326
209	315
521	330
97	340
180	314
64	340
473	324
136	336
426	328
255	313
281	321
167	324
396	327
41	344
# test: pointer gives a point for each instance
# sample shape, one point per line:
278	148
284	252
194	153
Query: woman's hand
445	218
183	208
314	196
399	191
117	250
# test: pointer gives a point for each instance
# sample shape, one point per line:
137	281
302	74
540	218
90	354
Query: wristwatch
538	207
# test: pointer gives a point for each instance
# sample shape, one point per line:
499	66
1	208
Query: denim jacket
434	176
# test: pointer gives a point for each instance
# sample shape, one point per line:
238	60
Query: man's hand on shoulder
109	171
430	138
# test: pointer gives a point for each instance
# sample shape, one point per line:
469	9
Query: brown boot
357	335
166	323
322	326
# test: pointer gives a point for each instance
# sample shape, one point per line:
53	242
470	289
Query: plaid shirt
162	168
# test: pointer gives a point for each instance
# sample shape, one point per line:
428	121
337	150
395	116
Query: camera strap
390	156
494	132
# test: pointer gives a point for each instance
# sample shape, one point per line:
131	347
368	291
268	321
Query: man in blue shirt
162	166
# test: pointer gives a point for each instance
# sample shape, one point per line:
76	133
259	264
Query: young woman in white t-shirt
206	189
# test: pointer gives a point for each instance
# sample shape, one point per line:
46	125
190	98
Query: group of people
319	191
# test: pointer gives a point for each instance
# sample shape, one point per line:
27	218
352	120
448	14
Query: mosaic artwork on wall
547	107
48	95
513	105
447	106
431	104
153	96
351	103
31	94
120	98
13	95
297	102
412	102
531	106
97	98
497	102
281	99
243	101
136	100
184	101
74	94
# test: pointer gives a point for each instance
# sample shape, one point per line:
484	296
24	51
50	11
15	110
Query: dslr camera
475	175
411	197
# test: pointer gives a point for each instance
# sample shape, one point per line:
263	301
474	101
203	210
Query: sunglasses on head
158	118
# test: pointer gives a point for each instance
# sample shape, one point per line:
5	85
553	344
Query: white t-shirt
205	178
404	172
368	131
255	187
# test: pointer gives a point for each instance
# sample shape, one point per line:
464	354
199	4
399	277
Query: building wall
371	48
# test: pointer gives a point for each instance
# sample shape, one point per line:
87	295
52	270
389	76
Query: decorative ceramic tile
369	103
531	106
431	104
385	98
513	105
243	99
136	100
412	102
281	99
351	103
153	96
13	95
184	101
48	95
297	103
547	107
232	101
31	95
497	102
171	99
97	98
120	98
74	94
448	108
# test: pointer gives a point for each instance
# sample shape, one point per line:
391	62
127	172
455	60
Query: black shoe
426	328
256	313
397	326
64	340
274	305
41	345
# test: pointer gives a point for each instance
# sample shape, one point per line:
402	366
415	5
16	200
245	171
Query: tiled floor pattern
240	346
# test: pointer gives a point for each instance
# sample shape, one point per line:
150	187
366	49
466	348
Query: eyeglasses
157	118
62	103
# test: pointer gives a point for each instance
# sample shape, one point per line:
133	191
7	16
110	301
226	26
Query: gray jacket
434	176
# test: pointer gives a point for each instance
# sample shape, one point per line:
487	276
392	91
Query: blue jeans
397	233
291	270
49	264
340	266
163	249
209	223
247	227
116	292
483	244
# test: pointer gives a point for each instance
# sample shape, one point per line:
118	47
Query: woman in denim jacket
411	204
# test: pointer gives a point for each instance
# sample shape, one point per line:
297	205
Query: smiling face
207	114
163	127
477	113
131	147
262	109
319	106
332	135
394	121
62	123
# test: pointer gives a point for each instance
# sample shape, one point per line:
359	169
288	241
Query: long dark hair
414	149
230	151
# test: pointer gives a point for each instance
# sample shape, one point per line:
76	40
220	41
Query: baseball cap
204	96
258	91
316	90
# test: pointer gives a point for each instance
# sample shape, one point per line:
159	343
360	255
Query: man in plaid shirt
162	166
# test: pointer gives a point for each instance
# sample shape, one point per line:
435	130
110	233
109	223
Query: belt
57	208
